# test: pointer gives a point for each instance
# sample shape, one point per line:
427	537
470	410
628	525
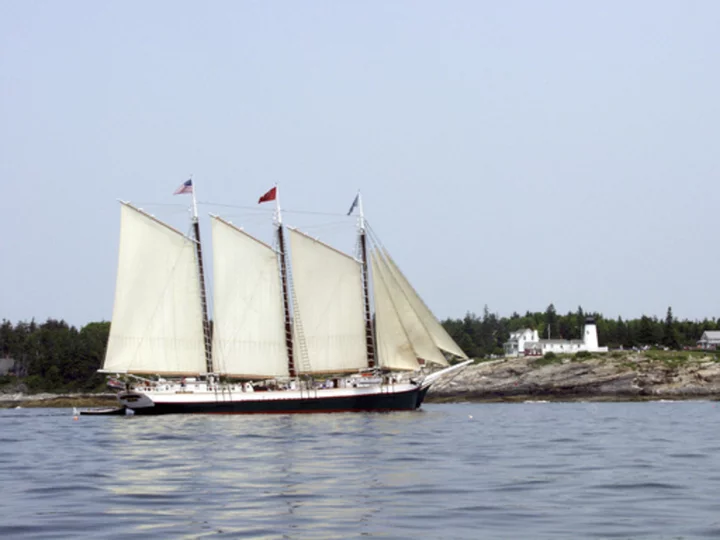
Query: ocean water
530	470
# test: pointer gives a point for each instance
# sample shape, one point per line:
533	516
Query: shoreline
551	398
619	376
615	376
59	401
65	402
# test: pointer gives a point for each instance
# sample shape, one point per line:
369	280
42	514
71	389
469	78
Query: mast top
194	201
278	212
362	214
273	195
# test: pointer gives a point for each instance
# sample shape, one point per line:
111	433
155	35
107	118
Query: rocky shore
19	399
617	376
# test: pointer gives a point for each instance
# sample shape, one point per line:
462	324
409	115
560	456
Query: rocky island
614	376
55	364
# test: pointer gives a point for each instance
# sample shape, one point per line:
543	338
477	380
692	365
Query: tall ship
296	327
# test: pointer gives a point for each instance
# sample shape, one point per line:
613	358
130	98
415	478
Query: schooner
299	327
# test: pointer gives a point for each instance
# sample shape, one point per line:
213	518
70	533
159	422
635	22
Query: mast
203	293
369	341
284	278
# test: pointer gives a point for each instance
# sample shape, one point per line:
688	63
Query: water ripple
637	470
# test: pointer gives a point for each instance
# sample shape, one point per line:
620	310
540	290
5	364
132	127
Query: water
533	470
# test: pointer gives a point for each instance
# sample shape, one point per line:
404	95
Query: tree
645	332
566	326
670	334
551	321
621	333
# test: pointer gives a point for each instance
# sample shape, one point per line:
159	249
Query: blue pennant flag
354	204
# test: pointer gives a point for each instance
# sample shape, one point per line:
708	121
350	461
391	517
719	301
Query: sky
510	154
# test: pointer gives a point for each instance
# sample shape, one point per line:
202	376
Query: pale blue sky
510	153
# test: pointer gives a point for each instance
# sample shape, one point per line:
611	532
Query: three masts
276	315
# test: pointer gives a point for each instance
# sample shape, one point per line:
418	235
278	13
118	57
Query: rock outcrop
607	377
19	399
600	377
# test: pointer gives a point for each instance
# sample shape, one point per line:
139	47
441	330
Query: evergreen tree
551	322
646	336
580	322
670	334
566	326
622	335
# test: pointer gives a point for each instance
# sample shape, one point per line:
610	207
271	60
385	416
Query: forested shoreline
57	357
53	356
483	336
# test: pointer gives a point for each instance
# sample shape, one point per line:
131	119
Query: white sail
417	333
328	292
394	349
439	335
157	323
248	322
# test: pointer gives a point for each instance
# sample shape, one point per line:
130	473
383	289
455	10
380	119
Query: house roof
711	334
517	333
6	364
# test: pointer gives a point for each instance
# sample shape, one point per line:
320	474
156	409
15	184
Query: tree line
55	356
482	336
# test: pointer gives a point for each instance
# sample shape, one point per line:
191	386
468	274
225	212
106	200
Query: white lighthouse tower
590	337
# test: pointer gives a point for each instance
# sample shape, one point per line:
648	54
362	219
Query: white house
515	346
526	342
710	340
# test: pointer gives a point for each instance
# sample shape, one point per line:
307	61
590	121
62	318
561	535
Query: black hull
402	401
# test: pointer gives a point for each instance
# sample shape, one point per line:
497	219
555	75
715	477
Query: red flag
269	196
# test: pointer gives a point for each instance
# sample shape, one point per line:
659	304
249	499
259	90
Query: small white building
557	346
515	346
709	340
526	342
7	365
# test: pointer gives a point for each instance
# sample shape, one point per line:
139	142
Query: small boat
105	411
291	333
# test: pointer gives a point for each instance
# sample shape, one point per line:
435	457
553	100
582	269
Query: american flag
185	188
